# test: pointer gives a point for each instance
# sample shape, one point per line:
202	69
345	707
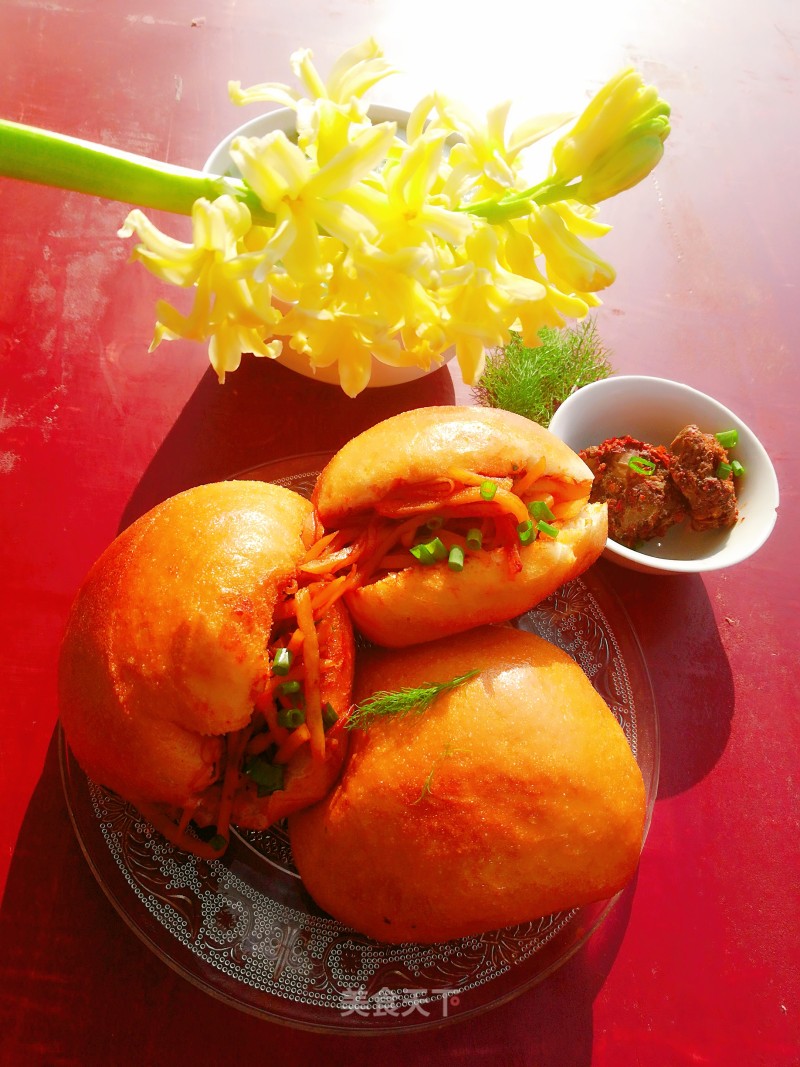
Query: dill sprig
400	702
534	381
427	785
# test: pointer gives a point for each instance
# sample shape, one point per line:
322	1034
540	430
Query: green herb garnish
455	560
429	552
642	465
728	438
401	702
282	661
526	532
539	510
428	783
723	470
291	718
474	539
329	716
534	381
267	776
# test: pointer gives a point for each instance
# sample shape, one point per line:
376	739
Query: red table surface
698	963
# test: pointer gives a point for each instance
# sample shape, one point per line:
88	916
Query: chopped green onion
430	551
268	790
267	776
422	554
287	688
728	438
282	661
329	716
437	548
642	465
539	510
546	529
526	532
455	560
218	842
434	523
488	489
723	470
474	539
291	717
737	468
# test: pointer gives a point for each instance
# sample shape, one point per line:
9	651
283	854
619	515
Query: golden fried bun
165	650
472	472
512	796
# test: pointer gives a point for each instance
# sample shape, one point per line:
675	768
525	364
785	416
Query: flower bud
623	112
625	167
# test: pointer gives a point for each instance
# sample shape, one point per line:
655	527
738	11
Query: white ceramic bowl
654	410
220	162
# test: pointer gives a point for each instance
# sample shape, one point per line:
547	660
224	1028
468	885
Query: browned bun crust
419	445
512	796
423	603
165	647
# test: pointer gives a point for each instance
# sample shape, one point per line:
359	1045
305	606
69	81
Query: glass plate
243	928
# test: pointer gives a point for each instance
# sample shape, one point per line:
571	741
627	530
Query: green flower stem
518	205
46	158
35	155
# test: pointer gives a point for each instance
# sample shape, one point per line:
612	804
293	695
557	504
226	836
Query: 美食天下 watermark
399	1003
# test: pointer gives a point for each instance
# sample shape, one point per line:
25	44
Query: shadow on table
77	983
262	413
689	670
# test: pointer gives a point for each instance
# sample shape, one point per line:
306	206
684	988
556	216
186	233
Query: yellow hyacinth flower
362	242
231	308
484	160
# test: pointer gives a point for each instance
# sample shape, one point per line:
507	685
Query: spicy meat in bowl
650	488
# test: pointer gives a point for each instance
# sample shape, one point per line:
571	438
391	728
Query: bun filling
298	715
466	511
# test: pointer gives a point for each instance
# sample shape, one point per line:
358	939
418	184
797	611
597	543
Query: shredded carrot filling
448	508
295	741
534	471
305	620
236	745
186	816
178	834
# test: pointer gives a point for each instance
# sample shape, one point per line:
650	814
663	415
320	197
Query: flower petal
266	92
367	149
272	166
357	70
